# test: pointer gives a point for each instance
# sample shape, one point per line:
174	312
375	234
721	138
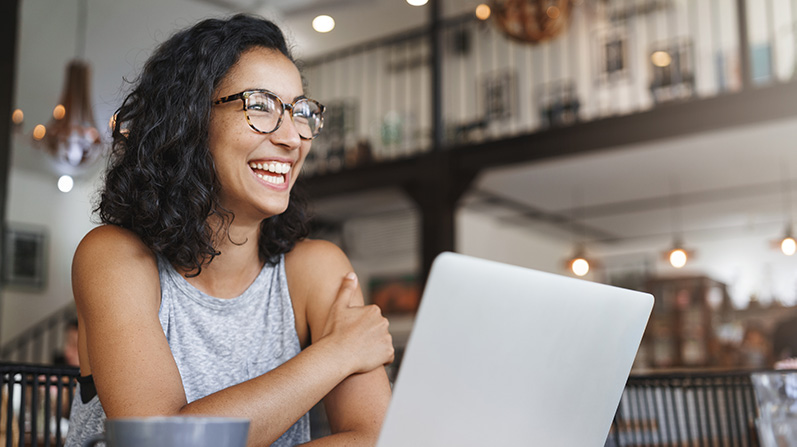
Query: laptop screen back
503	355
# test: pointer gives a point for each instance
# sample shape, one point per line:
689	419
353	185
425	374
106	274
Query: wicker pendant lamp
531	21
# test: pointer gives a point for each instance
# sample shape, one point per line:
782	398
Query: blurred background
529	132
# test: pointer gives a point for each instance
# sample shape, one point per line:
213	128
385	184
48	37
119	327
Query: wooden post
436	190
9	25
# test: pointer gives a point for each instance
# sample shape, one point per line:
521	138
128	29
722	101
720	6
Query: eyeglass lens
264	111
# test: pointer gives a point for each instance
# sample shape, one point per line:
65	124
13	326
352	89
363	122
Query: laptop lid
503	355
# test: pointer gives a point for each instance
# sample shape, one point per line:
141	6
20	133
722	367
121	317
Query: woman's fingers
363	329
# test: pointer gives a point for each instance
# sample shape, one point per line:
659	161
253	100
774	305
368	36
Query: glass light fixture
483	11
661	58
65	183
417	2
72	140
323	23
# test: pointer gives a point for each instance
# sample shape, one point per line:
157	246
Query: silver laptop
506	356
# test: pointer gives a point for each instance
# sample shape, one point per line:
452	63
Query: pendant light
531	21
787	244
677	255
579	264
72	139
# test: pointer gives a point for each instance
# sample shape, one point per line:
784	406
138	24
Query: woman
199	294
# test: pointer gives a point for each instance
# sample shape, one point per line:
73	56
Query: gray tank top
217	343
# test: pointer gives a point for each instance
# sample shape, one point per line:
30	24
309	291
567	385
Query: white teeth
277	168
274	179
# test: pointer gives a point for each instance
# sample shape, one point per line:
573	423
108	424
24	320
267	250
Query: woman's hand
362	330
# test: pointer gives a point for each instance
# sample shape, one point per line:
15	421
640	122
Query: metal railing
617	57
36	401
702	409
687	409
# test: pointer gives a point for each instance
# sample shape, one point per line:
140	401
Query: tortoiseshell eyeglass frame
244	95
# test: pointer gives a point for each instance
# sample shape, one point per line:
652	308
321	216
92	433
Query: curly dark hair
161	181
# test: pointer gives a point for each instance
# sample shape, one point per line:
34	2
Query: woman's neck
236	267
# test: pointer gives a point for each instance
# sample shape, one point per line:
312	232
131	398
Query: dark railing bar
436	55
749	402
48	410
744	44
59	394
8	383
693	30
510	56
739	418
673	429
709	423
635	423
34	410
21	416
687	415
699	414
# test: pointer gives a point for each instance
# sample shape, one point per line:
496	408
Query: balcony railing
616	57
686	409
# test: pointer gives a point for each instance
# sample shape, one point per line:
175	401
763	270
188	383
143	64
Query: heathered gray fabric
217	342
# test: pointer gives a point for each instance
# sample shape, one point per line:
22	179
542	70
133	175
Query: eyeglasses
264	111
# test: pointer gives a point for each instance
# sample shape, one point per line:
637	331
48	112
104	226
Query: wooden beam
9	26
676	119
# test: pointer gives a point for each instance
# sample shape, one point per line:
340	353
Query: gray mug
177	431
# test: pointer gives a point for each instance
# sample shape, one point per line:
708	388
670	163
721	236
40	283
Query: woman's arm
356	407
117	292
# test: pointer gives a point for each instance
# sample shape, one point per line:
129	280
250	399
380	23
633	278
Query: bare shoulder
315	271
111	256
321	256
110	241
314	267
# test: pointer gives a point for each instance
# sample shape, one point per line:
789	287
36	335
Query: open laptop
506	356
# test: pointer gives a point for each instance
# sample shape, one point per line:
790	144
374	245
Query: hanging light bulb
579	266
579	263
17	117
677	256
39	132
788	246
483	11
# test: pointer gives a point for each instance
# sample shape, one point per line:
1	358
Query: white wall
486	236
34	201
